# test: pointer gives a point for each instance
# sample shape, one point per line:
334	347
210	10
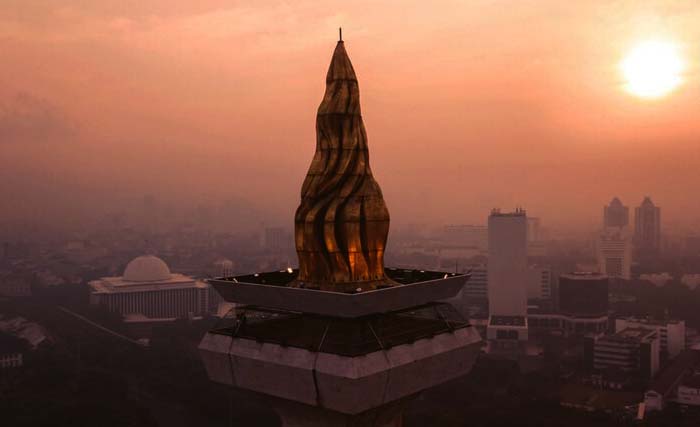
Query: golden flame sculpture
342	223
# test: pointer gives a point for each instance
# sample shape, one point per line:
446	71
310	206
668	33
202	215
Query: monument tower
342	223
341	341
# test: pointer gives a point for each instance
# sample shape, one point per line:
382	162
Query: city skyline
542	266
175	98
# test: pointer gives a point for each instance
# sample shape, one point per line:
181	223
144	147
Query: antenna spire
340	34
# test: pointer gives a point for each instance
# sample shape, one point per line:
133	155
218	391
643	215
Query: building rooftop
670	376
10	344
30	332
507	321
591	398
518	212
692	381
631	335
652	322
584	275
119	285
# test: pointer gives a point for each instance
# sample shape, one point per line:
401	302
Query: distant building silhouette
466	235
277	239
614	252
535	244
616	214
539	283
647	228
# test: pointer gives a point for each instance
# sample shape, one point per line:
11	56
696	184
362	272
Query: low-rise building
148	291
11	351
657	279
671	333
566	324
15	285
666	387
630	351
691	281
30	333
689	391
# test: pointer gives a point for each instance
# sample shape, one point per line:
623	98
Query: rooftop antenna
340	34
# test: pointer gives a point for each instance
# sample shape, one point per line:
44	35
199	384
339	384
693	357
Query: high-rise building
583	294
614	253
647	228
507	275
507	267
583	306
616	214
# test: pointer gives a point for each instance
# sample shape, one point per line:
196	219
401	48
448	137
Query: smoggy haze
468	105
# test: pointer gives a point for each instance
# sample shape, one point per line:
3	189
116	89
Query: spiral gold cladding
342	223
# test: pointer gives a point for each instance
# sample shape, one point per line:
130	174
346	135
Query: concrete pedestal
295	414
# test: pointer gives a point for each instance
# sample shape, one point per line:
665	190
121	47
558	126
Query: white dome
147	268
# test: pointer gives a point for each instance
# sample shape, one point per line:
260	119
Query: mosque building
148	291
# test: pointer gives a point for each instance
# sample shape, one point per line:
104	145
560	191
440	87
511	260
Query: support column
294	414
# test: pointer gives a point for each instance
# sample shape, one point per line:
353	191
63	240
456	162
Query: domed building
149	291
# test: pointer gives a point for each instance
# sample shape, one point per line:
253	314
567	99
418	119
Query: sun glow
652	69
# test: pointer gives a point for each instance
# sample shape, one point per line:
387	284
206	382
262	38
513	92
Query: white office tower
614	252
507	276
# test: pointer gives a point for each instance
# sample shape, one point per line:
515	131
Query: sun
652	69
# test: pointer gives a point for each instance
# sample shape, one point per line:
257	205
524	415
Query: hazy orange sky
468	105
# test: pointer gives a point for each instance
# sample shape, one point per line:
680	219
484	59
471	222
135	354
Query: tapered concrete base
340	384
